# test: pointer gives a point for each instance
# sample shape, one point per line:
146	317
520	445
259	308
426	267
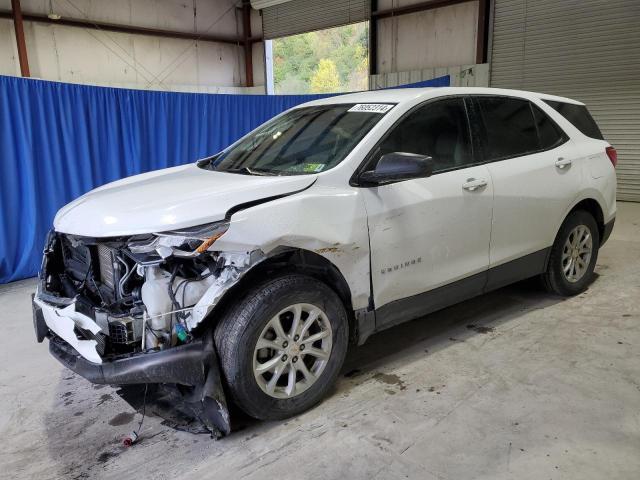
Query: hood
167	199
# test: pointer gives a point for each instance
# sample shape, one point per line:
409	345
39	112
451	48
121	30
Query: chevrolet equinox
246	275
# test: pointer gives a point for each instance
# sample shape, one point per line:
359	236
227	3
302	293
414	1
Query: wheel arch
592	206
285	260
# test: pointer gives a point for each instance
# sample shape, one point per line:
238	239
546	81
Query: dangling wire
144	408
135	435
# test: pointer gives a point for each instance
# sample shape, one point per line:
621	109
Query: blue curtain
57	141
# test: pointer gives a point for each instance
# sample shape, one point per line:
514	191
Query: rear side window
549	133
579	117
510	129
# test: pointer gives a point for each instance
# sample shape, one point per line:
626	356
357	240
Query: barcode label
371	107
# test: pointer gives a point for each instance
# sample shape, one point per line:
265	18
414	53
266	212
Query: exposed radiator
106	261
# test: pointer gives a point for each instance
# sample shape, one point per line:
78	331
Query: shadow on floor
81	410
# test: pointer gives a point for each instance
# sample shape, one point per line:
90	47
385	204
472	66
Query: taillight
613	156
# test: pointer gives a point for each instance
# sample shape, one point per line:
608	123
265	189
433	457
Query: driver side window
439	130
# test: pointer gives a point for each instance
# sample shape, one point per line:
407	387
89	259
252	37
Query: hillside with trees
327	61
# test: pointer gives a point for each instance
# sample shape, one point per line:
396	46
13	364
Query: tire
555	279
253	318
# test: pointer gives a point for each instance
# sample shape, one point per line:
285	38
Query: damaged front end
124	311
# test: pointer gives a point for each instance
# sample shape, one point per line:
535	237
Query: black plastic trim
195	366
416	306
185	364
410	308
39	325
518	269
608	228
365	324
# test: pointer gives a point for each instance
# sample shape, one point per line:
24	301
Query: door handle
473	184
563	162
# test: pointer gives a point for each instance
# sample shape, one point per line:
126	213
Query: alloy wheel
292	351
576	253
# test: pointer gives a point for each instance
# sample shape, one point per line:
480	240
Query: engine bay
143	296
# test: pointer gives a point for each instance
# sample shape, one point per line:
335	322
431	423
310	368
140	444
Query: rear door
429	232
536	174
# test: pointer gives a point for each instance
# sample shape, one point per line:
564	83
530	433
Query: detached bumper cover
186	365
194	366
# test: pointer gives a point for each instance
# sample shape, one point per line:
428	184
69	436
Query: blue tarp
58	141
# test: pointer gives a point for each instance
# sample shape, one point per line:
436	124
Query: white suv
255	268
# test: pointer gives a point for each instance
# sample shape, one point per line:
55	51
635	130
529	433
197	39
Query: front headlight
185	242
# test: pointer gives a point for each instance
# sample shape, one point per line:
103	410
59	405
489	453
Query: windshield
303	141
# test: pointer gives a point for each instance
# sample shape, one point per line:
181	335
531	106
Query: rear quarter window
550	134
579	117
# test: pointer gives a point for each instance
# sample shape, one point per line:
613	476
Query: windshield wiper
250	171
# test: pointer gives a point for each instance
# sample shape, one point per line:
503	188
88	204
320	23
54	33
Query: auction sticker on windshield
371	107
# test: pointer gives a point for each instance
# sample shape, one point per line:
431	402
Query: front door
430	232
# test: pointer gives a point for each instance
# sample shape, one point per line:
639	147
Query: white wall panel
461	76
90	56
440	37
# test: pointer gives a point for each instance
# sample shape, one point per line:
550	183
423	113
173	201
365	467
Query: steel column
481	31
248	50
22	46
373	40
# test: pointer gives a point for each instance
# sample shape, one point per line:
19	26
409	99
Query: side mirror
396	167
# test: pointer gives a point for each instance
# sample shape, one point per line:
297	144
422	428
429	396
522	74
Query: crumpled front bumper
194	366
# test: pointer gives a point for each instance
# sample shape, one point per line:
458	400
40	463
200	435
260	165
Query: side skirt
416	306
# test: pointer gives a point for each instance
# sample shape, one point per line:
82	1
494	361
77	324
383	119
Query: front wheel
282	346
573	255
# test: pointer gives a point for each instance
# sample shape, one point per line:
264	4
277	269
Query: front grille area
87	272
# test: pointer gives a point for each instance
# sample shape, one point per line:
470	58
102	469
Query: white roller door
588	50
299	16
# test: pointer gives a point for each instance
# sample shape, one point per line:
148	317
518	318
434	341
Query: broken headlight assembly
186	242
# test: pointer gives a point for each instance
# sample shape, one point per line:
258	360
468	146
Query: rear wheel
573	255
282	346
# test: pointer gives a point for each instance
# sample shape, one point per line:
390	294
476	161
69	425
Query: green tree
296	59
325	79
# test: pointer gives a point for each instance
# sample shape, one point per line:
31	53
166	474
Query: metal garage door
588	50
299	16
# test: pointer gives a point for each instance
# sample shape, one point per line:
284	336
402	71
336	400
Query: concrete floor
516	384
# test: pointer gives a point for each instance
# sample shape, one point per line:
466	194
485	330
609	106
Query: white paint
62	322
167	199
236	264
432	219
428	232
89	56
533	195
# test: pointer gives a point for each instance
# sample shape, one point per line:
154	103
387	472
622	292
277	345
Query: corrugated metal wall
588	50
299	16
